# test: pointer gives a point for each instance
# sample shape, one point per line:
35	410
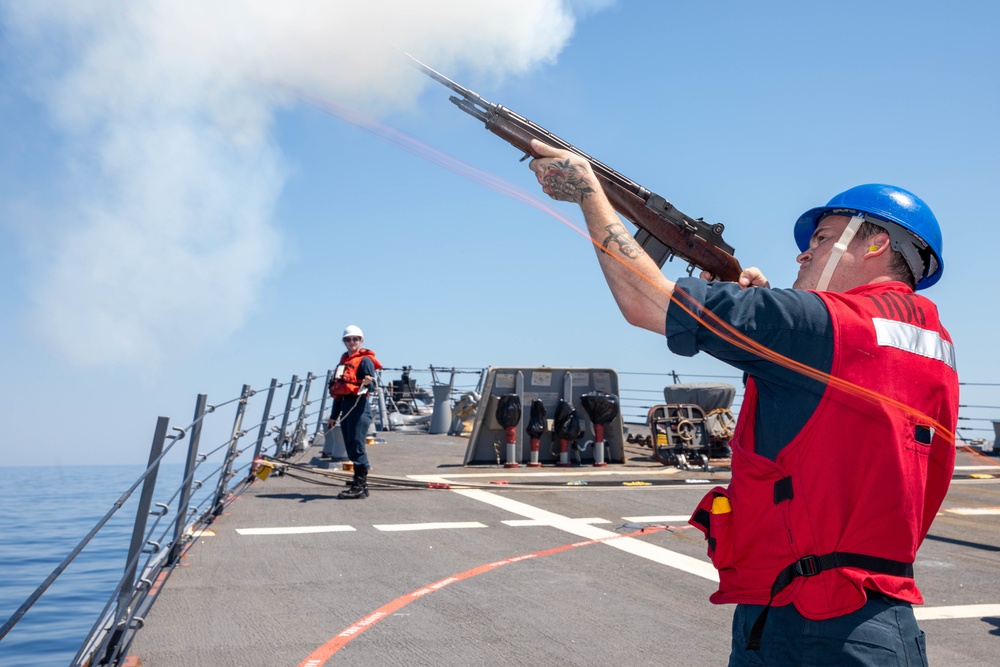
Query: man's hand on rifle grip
751	277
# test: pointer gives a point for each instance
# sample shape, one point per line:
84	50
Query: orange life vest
345	380
860	484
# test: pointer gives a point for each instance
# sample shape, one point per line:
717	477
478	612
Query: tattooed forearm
618	235
565	182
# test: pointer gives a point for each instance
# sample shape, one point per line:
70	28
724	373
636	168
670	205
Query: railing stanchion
180	523
284	417
299	436
322	403
145	500
265	419
139	529
227	466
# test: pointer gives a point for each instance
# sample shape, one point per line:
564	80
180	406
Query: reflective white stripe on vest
924	342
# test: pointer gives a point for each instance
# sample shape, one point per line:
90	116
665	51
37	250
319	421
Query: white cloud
168	106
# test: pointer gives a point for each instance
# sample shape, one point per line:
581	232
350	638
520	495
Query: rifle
663	231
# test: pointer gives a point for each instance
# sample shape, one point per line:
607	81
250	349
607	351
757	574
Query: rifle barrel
676	239
471	96
470	108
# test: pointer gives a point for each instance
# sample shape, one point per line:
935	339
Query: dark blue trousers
355	428
883	633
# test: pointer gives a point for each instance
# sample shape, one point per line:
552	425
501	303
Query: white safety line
575	527
395	527
958	611
518	523
294	530
992	467
660	518
973	511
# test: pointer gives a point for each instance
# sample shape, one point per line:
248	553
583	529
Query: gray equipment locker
487	441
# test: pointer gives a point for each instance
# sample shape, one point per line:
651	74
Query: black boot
359	488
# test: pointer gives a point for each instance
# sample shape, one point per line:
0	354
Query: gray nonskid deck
274	599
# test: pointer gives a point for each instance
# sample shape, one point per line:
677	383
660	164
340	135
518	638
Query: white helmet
353	330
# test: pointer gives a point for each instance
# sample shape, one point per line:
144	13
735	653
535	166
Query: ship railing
211	479
167	523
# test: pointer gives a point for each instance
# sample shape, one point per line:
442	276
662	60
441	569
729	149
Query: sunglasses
352	339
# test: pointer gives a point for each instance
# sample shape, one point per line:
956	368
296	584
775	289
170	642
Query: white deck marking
993	467
662	518
964	482
958	611
294	530
518	523
393	527
972	511
581	528
576	527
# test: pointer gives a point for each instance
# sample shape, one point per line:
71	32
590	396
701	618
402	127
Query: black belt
810	566
879	595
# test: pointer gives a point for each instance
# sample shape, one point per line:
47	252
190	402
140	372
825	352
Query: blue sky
174	220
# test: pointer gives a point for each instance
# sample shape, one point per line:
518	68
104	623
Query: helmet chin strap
839	248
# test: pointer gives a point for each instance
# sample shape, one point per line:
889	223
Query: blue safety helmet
888	204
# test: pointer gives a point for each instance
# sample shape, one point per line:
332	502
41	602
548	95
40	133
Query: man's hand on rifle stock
639	288
563	175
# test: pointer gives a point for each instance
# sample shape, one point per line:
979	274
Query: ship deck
568	566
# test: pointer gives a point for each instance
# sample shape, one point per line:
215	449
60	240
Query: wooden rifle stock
663	230
674	239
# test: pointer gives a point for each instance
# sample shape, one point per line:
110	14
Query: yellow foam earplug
872	248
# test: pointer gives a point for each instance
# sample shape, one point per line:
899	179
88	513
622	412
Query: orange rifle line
712	323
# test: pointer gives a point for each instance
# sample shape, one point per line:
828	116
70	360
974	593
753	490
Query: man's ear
876	245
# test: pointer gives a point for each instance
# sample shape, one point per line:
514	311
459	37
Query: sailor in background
351	409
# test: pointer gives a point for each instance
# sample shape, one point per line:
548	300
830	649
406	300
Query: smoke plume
166	111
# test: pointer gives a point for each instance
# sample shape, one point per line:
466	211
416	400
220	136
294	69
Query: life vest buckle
808	566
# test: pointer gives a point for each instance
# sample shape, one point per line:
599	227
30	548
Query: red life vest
861	478
345	378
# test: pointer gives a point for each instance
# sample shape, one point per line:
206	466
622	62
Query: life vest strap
810	566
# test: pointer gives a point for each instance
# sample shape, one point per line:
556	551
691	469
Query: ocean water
45	512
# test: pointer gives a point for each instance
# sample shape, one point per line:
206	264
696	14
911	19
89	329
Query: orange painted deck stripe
319	657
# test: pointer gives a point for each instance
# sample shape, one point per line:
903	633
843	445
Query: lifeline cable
712	323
